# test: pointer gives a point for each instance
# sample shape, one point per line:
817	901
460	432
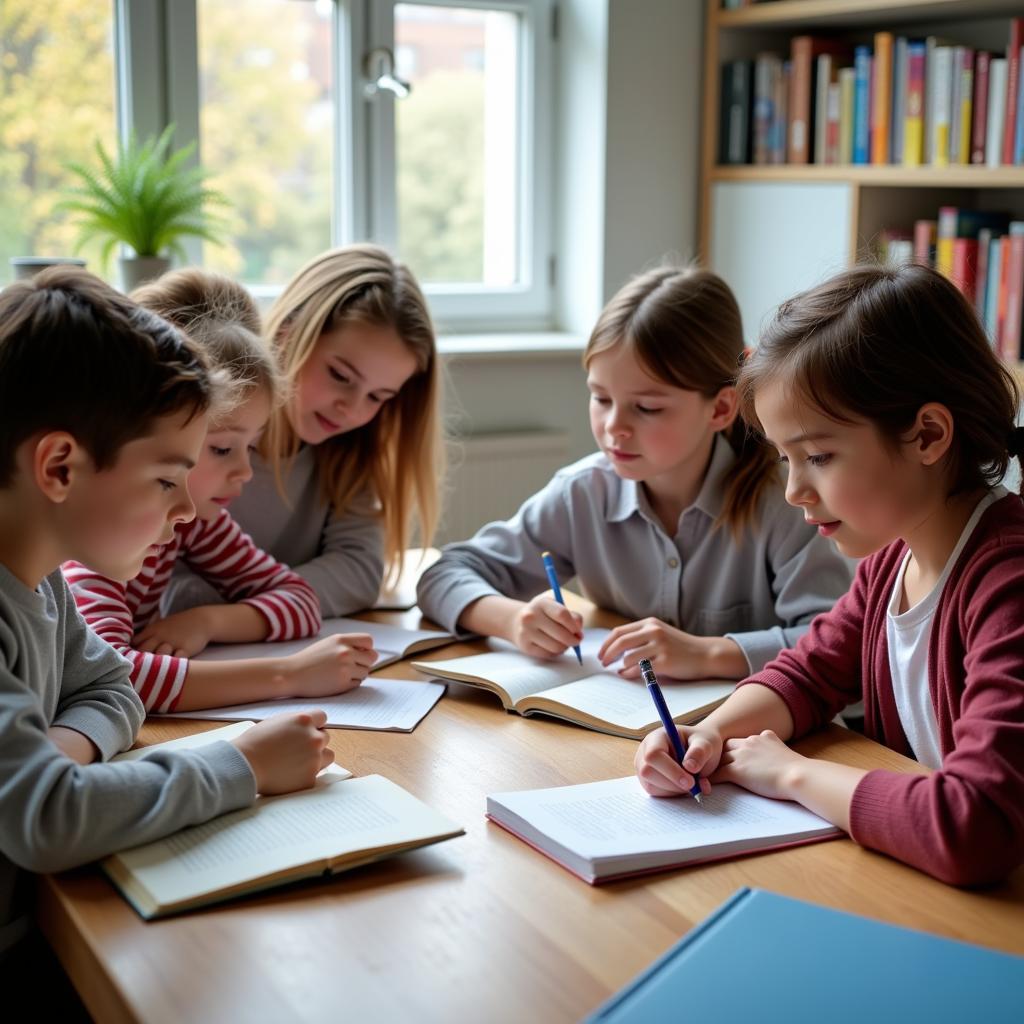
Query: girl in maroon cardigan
882	393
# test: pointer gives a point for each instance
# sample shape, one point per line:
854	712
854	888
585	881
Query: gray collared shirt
761	590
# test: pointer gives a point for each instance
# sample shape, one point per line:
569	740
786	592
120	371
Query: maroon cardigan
963	823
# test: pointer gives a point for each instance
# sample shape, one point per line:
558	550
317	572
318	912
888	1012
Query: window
460	167
266	118
56	100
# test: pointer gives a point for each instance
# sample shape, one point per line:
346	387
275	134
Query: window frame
158	63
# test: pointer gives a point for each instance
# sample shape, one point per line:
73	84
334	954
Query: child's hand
286	751
672	652
660	773
332	665
73	744
183	634
761	763
543	628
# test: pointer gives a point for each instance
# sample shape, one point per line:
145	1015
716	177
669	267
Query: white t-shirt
908	635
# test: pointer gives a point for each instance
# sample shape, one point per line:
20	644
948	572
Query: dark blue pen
549	568
666	720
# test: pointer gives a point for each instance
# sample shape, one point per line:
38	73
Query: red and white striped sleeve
224	555
105	606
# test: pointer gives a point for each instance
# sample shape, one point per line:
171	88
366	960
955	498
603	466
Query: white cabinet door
772	239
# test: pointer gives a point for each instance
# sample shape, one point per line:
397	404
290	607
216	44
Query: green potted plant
146	198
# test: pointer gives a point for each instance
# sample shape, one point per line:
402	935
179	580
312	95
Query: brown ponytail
685	326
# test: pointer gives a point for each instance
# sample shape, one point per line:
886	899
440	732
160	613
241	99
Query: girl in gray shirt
679	522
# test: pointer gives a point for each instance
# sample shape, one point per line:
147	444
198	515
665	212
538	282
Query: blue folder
763	957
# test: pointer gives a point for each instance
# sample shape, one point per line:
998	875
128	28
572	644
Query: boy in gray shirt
103	409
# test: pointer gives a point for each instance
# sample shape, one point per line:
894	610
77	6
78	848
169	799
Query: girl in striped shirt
265	600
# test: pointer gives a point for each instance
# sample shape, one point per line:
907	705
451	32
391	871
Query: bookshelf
822	217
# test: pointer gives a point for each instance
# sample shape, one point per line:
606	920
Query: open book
392	643
601	831
591	695
385	705
340	823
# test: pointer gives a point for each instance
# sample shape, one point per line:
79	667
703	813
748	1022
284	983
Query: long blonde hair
221	316
684	326
399	454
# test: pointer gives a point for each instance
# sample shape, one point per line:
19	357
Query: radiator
490	475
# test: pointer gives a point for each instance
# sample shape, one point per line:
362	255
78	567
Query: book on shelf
913	116
924	242
804	51
996	111
964	270
590	695
392	643
847	88
788	946
979	121
338	824
955	222
916	102
737	98
1011	288
881	98
862	105
940	105
602	831
1012	89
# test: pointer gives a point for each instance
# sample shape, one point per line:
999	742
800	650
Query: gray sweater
54	813
341	556
761	589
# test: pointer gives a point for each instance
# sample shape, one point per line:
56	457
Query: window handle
379	71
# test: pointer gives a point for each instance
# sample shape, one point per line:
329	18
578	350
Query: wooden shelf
838	14
880	176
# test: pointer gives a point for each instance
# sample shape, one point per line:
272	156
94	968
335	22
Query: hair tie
1015	442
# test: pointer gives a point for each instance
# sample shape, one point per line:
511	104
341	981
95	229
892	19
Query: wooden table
477	928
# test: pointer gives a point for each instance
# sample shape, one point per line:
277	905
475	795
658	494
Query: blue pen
666	720
549	568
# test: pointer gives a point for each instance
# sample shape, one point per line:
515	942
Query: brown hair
876	343
685	328
399	454
223	318
76	355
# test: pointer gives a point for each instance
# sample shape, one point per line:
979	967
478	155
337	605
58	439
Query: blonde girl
352	459
255	597
678	522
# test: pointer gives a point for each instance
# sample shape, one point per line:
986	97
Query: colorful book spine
780	132
764	106
801	48
898	112
1010	340
962	112
861	108
997	72
832	99
945	233
881	97
979	124
984	243
924	242
1018	150
992	291
913	124
1012	88
965	266
847	87
940	104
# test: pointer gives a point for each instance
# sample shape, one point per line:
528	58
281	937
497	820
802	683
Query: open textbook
392	643
385	705
591	695
606	830
339	824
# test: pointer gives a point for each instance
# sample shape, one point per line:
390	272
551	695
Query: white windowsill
512	345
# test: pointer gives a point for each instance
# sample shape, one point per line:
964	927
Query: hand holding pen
549	568
648	676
